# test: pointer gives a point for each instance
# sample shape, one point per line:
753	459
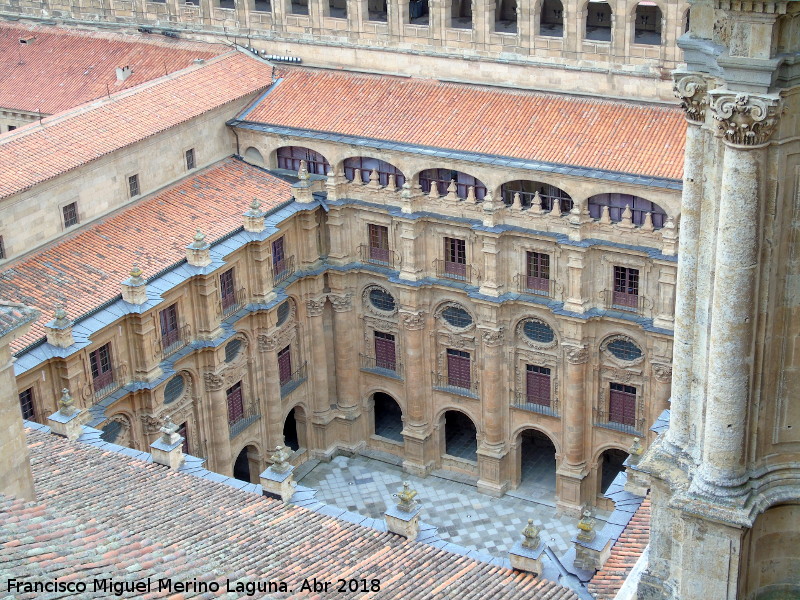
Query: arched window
443	177
616	206
598	21
461	15
527	191
289	157
551	19
505	16
647	26
367	165
252	155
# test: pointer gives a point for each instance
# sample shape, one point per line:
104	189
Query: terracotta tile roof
38	152
62	69
86	269
629	547
14	315
612	135
116	512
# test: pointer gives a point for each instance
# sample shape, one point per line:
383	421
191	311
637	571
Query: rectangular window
168	319
226	289
378	244
183	431
285	365
100	364
622	404
235	403
538	385
455	258
26	405
385	356
133	185
626	287
12	127
2	248
70	214
538	272
458	369
278	255
190	159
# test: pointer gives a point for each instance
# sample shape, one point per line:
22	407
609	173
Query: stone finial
392	185
254	217
471	194
280	459
407	199
586	531
627	221
302	172
405	498
357	179
531	535
374	180
66	405
605	216
169	431
491	210
59	330
198	253
517	203
635	451
134	289
452	188
648	222
434	193
556	210
167	450
669	237
536	204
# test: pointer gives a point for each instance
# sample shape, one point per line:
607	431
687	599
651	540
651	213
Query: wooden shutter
622	405
235	403
458	369
538	385
285	365
102	372
385	351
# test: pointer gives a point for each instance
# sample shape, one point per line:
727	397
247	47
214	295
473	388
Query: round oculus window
381	299
457	317
283	313
232	349
624	349
173	389
538	331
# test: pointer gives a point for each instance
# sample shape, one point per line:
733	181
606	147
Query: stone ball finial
405	498
280	459
60	316
255	207
66	404
586	527
136	273
199	240
531	535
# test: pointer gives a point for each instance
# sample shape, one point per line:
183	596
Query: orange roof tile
62	69
38	152
85	269
626	551
600	134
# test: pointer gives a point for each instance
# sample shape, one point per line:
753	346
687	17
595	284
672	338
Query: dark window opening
537	385
418	12
12	127
598	21
2	248
262	6
385	352
388	417
366	165
611	465
227	289
505	17
26	405
289	157
457	317
100	364
548	194
283	312
377	10
133	186
70	214
624	349
338	9
455	258
190	164
174	389
443	179
617	203
551	19
381	299
291	437
299	7
538	332
227	4
183	431
461	437
232	349
461	14
170	333
647	26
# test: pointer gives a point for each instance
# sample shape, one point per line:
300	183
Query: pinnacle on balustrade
627	220
635	451
198	253
254	209
134	289
374	180
169	431
556	210
536	204
59	330
357	177
280	459
405	498
434	193
471	194
302	172
452	188
199	240
254	217
669	236
517	203
66	420
648	222
605	216
392	185
586	525
66	405
531	535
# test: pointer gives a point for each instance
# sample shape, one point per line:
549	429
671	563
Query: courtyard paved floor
462	514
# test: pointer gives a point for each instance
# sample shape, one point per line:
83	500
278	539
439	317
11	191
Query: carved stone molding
341	303
456	341
380	324
576	354
521	336
692	90
150	423
213	381
494	337
370	307
314	306
278	339
745	120
662	373
413	320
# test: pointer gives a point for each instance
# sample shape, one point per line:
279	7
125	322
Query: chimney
124	72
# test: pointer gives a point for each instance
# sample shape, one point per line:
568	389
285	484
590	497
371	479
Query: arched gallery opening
388	417
460	436
246	467
537	465
609	466
294	429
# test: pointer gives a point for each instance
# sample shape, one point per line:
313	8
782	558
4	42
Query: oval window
232	350
283	313
381	299
624	349
538	331
173	389
457	317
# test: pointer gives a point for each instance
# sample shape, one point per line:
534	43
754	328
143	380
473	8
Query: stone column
346	356
493	401
272	402
691	88
219	431
319	359
747	123
415	419
571	472
410	253
660	384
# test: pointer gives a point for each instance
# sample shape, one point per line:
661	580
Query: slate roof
618	136
103	513
626	551
14	315
40	151
63	68
85	269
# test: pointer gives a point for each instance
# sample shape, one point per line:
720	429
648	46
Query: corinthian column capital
692	90
745	120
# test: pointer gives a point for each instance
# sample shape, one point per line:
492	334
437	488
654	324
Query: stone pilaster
271	402
575	301
338	236
410	255
493	448
572	471
307	245
346	356
665	300
320	404
414	430
493	276
218	427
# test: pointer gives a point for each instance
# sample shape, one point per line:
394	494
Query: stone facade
620	49
725	493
